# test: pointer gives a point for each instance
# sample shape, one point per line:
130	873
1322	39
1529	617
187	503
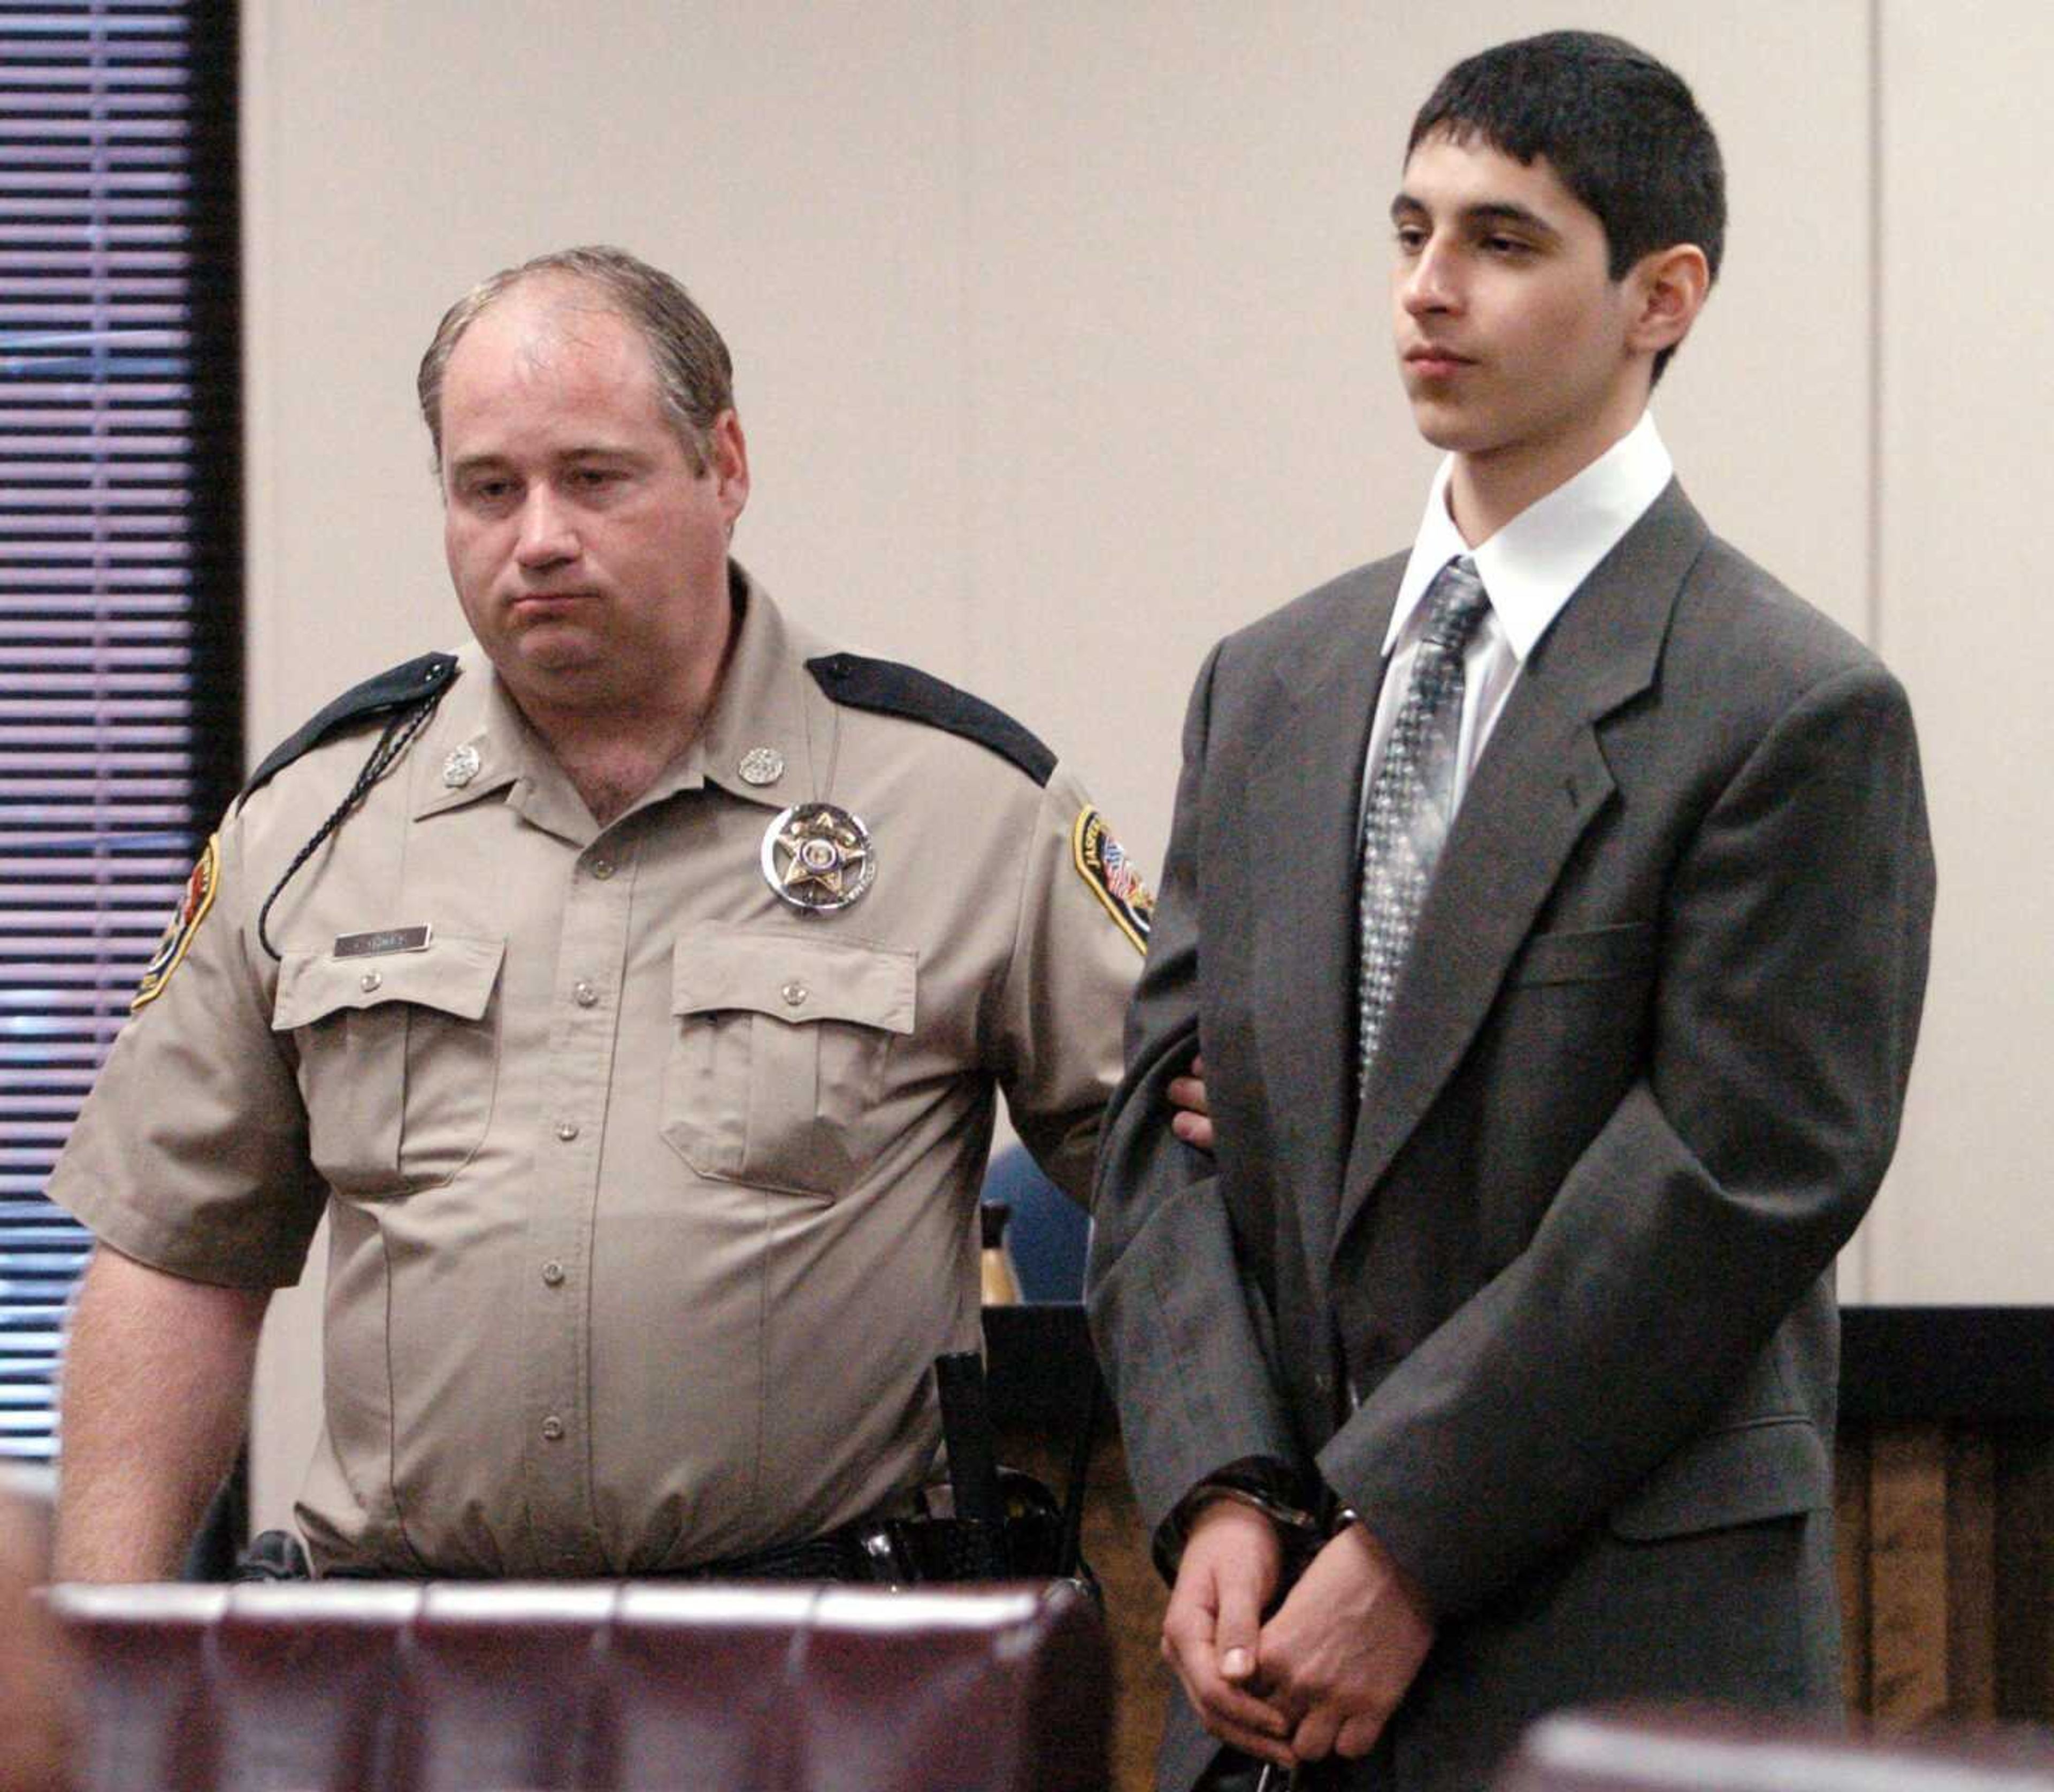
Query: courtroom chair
145	1691
1653	1749
733	1714
966	1709
461	1686
501	1685
201	1686
301	1685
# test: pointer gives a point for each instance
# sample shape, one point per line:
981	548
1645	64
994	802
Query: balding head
694	373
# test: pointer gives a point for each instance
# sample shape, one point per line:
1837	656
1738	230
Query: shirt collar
1532	566
758	720
483	743
756	744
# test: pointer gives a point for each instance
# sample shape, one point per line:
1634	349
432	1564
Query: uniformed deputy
637	1026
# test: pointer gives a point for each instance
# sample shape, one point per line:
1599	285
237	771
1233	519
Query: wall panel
1965	363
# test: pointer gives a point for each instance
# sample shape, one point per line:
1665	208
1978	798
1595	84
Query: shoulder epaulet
419	680
891	690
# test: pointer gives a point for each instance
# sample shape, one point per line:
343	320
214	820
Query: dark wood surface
1924	1364
1897	1364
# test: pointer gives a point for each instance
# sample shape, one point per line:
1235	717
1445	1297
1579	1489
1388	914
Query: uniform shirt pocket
398	1060
777	1055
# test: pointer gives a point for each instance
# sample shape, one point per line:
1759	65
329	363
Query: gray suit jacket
1573	1253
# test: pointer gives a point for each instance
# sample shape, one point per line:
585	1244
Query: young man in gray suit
1549	905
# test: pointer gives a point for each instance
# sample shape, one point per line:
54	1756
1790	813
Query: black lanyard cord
398	732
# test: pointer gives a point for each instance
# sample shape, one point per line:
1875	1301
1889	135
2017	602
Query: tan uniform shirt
652	1197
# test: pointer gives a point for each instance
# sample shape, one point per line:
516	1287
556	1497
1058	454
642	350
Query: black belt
861	1552
853	1552
874	1551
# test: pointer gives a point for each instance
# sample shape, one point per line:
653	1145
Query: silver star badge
462	766
817	858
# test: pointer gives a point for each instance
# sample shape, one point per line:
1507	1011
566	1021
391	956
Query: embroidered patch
192	910
1103	863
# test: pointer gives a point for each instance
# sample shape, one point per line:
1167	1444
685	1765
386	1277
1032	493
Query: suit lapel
1541	779
1304	794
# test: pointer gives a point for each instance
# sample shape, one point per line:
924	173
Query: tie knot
1455	604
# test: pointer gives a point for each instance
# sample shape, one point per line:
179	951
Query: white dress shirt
1530	569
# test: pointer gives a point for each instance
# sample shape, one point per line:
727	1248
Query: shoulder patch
424	679
1103	863
192	910
888	689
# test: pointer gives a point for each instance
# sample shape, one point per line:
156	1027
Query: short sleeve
190	1154
1082	929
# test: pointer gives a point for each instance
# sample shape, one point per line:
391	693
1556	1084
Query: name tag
383	940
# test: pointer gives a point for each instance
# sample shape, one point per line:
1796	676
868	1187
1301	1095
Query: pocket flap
792	978
1589	955
1769	1469
450	973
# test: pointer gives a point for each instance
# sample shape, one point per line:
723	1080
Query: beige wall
1964	366
1063	348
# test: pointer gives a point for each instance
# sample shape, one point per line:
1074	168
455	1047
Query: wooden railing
1945	1503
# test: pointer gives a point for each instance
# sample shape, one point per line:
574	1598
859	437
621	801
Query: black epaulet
892	689
419	680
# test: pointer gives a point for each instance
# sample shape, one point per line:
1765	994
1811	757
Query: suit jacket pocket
1767	1468
1589	955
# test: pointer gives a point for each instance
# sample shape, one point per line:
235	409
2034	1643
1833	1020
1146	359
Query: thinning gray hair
694	372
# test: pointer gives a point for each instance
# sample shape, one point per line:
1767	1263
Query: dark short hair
1622	130
694	373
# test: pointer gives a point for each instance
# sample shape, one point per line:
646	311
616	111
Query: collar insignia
762	765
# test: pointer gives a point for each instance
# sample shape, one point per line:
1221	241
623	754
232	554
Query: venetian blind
119	570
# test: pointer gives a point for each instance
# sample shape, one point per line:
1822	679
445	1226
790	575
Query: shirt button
795	994
552	1274
566	1130
602	869
584	995
552	1429
369	981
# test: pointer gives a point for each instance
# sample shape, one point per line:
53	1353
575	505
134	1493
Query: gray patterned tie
1411	799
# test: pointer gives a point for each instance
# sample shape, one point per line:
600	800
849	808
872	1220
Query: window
120	570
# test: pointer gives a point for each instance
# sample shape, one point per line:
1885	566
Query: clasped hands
1323	1675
